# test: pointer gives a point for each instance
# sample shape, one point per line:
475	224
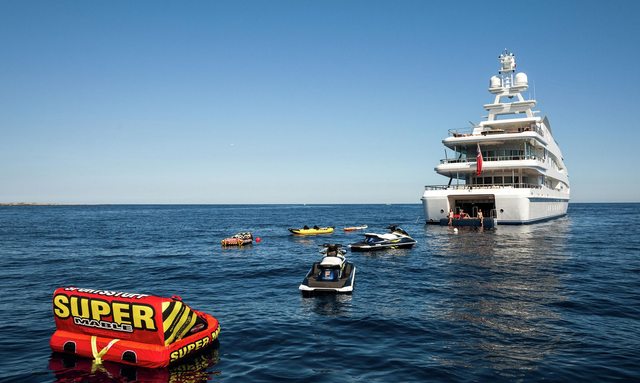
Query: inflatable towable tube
134	329
69	369
240	239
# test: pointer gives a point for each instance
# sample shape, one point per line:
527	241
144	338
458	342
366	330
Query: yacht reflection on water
500	289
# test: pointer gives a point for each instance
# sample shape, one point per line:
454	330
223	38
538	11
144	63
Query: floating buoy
455	230
258	239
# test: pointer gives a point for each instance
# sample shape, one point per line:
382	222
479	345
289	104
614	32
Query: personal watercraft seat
332	261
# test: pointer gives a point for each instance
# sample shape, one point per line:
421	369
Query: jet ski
395	239
332	274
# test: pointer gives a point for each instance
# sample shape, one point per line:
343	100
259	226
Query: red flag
479	161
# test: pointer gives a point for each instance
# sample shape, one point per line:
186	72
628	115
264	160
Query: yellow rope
97	355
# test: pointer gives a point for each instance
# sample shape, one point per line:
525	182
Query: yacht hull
506	205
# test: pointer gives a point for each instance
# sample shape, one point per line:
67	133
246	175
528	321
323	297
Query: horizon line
7	204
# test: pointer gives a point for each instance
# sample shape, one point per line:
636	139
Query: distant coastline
28	204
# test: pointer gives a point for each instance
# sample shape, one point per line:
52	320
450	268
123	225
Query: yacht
507	168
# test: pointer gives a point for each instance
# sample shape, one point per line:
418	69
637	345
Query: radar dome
495	82
521	79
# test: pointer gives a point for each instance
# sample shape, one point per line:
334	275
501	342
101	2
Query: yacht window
487	180
497	180
515	154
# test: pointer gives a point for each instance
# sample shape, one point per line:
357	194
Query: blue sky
298	101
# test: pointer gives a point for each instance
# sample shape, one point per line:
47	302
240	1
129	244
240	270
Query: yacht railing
461	132
494	158
483	186
465	132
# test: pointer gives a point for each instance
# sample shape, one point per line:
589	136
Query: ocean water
557	301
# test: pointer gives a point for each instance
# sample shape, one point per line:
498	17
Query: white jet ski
333	274
395	239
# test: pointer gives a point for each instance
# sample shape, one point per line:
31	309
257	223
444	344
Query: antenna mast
507	68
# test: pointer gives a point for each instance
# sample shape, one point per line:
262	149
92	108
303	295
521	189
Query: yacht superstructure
508	168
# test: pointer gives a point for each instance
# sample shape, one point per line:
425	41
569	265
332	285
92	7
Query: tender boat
240	239
397	238
313	230
333	274
508	168
354	228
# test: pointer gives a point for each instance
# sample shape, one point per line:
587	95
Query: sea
557	301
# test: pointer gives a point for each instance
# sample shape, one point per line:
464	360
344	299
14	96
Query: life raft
239	239
134	329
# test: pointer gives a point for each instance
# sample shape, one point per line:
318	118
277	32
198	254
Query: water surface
556	301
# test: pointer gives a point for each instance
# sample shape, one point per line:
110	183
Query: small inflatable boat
240	239
395	239
134	329
312	231
354	228
332	274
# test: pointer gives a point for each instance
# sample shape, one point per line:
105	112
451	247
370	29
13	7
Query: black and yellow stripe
177	320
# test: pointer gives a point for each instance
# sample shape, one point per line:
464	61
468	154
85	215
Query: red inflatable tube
68	368
134	329
233	242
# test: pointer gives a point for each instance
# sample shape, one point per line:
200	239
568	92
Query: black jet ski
395	239
332	274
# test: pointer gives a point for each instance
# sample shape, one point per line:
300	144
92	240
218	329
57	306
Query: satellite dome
521	79
495	82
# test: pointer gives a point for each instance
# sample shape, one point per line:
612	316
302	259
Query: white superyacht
505	170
